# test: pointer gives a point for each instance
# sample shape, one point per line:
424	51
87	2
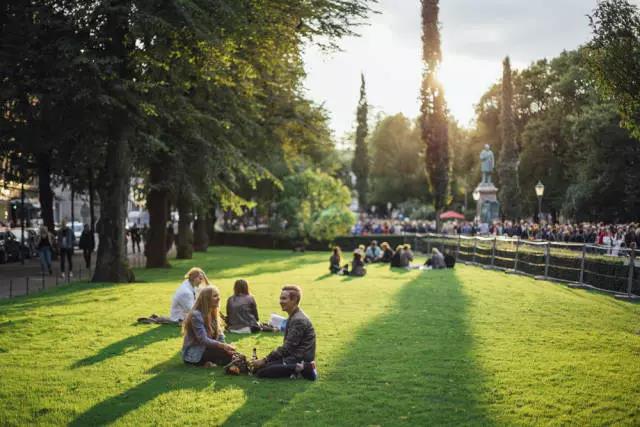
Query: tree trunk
200	235
184	245
111	262
45	193
157	204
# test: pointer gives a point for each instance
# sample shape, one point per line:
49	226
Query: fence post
632	257
10	288
515	261
43	286
546	260
458	248
27	281
584	250
428	245
493	252
475	245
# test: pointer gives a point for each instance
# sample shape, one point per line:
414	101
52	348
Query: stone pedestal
488	207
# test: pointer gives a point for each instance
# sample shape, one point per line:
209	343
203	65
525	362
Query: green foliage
417	209
433	119
397	169
509	193
480	348
613	56
315	206
361	155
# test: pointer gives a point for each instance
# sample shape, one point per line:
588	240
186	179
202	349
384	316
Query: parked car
30	239
11	248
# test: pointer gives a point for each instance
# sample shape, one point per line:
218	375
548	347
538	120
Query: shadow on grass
414	365
129	344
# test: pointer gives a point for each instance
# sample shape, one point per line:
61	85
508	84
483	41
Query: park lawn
467	346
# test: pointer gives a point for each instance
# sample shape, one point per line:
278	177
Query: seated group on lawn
401	258
198	310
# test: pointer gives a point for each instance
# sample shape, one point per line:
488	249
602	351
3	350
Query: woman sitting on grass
357	265
397	258
387	252
203	343
335	261
242	311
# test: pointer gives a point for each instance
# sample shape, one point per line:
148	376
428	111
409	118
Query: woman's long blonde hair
211	314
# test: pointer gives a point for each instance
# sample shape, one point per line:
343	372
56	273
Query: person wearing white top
183	299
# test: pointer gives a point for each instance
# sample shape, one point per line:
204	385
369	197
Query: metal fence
606	268
31	282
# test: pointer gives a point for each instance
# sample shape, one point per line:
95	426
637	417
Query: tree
315	206
509	192
433	121
361	155
613	57
397	166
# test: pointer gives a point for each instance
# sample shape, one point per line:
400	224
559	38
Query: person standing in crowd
87	244
45	248
296	357
66	243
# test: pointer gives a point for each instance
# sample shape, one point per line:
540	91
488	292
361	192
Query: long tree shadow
129	344
412	365
173	375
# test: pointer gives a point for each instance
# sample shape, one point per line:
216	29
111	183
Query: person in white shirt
183	298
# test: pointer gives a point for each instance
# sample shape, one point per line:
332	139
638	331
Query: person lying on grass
242	311
203	343
183	299
296	357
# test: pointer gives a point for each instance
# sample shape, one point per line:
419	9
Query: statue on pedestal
487	164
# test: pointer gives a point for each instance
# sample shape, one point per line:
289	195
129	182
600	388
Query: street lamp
476	197
539	192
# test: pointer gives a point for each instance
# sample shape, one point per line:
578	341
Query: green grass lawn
467	346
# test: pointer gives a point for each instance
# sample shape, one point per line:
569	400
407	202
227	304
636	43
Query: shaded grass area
463	347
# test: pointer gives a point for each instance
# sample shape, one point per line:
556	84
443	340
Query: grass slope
394	348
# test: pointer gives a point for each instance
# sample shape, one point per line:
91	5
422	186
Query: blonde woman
202	330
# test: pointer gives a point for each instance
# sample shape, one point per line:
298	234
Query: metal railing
31	281
606	268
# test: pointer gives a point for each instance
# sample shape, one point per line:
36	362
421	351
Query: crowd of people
613	235
196	307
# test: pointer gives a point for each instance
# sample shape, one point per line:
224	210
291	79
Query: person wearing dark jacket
242	310
387	253
357	265
296	357
66	242
87	244
396	259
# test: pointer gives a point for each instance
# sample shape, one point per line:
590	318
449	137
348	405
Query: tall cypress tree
433	120
509	194
361	156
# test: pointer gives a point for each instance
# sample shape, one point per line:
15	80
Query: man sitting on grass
296	357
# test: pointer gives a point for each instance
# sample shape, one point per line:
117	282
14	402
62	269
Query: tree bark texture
200	235
111	262
184	245
158	206
45	193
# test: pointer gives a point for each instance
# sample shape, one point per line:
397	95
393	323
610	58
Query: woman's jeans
45	258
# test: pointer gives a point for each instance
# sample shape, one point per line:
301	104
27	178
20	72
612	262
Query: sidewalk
23	279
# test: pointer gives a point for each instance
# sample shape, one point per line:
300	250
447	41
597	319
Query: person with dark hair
296	357
373	253
242	310
357	265
387	253
87	244
335	261
66	242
